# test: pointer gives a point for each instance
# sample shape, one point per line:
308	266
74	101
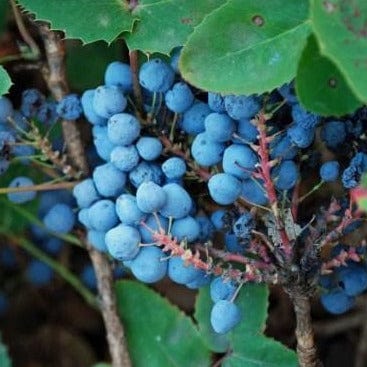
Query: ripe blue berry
149	148
216	102
88	110
247	130
186	228
224	188
32	100
146	171
101	142
38	273
108	180
329	171
352	279
128	211
333	133
337	301
179	98
119	74
221	289
253	191
205	151
300	136
239	107
149	266
6	109
285	175
180	272
178	203
123	242
102	215
156	76
225	316
150	197
174	168
123	129
192	121
97	240
22	196
85	193
125	158
108	101
239	161
60	218
152	223
219	127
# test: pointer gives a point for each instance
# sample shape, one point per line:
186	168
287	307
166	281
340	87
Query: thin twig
138	96
41	187
115	332
55	76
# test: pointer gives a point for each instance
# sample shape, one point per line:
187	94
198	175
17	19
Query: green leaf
83	19
165	24
102	365
258	351
246	46
4	357
341	30
249	347
216	342
92	57
5	82
320	86
362	204
4	7
158	333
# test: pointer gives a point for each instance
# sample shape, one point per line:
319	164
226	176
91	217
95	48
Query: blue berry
253	191
32	100
337	301
175	56
239	161
224	188
123	242
123	129
205	151
304	118
156	76
216	102
206	227
22	196
53	245
149	148
178	203
219	127
217	218
153	223
83	218
287	92
128	211
22	152
242	107
69	107
125	158
47	113
180	272
221	289
60	218
6	110
186	228
150	197
300	137
119	74
97	240
282	147
38	273
243	226
88	110
334	133
247	131
202	279
108	180
174	168
225	315
101	142
285	175
102	215
85	193
352	279
179	98
149	266
108	101
192	121
88	277
146	171
233	245
329	171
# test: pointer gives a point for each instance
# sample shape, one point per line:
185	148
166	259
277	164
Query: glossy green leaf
83	19
341	30
165	24
4	356
216	342
5	82
86	64
158	333
246	46
257	350
320	86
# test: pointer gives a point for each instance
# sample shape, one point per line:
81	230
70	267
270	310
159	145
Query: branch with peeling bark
55	75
